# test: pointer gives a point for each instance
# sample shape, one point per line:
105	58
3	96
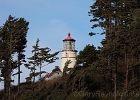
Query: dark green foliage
12	41
80	84
88	55
21	45
117	57
66	69
110	73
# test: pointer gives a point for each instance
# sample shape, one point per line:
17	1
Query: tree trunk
18	74
40	70
19	55
40	75
5	87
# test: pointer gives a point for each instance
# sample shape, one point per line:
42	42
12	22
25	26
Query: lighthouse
68	52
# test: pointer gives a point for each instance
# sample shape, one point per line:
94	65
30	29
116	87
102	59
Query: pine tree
40	56
115	17
21	44
9	39
66	69
87	55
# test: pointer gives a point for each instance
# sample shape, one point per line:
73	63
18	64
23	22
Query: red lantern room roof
69	38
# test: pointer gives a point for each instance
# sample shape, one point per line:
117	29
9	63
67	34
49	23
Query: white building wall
68	55
54	75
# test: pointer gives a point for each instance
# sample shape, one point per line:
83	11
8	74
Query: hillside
82	83
77	85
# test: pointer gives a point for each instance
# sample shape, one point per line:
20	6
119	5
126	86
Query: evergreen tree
9	41
87	55
41	55
21	44
66	69
115	17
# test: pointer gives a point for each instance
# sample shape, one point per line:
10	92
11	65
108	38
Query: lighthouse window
73	45
65	45
69	45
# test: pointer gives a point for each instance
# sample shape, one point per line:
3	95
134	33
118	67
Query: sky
51	21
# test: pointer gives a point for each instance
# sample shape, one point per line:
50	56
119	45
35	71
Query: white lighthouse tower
68	52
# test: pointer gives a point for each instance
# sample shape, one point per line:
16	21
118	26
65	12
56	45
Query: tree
115	17
40	56
21	45
89	55
134	62
66	69
11	34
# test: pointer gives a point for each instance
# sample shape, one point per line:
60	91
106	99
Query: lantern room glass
69	45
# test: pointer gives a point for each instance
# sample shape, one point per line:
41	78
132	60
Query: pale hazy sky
50	21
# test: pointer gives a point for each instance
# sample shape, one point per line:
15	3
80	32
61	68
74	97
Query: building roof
69	38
